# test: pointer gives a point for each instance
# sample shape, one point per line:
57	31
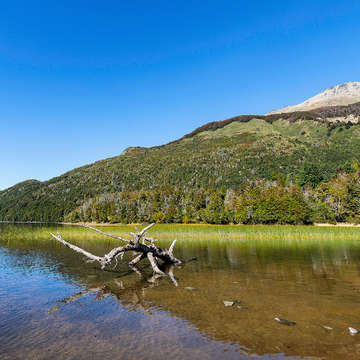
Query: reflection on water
53	305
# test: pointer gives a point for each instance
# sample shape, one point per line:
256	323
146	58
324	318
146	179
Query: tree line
275	201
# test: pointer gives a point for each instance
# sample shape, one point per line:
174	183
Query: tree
310	174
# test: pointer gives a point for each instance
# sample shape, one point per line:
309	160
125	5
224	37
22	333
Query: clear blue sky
82	80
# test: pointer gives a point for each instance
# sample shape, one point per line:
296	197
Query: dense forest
287	168
261	202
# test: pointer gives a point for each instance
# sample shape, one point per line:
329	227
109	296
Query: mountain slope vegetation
201	172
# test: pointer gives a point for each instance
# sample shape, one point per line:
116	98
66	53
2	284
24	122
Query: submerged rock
327	327
234	302
242	307
285	322
353	331
228	303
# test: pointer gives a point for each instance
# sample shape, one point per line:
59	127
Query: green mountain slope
219	155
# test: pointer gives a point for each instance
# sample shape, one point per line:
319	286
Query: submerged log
140	243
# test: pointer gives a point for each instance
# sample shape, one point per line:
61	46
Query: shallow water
54	305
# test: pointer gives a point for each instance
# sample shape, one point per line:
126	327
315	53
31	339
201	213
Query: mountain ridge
341	94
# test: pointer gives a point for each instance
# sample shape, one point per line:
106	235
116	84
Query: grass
189	232
303	130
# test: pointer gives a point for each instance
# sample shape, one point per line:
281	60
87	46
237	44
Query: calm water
54	305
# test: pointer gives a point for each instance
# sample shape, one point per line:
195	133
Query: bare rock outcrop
343	94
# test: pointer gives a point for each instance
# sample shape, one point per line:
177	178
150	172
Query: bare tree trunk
138	244
154	264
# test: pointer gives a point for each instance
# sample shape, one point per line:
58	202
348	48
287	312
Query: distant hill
220	155
343	94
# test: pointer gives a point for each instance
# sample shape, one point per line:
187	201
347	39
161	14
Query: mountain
343	94
197	172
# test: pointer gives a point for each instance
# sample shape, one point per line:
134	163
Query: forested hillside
214	174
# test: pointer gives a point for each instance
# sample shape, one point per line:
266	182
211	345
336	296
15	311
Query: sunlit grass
189	232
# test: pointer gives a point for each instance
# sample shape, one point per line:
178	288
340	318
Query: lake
55	305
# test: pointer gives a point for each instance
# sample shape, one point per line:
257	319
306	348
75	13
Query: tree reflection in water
133	295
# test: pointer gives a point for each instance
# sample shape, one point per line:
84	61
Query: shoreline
230	225
337	225
352	225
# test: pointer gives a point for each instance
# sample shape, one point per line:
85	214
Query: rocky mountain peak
342	94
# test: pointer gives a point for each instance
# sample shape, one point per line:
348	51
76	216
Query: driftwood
140	243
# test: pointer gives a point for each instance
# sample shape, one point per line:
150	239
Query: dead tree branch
151	252
106	234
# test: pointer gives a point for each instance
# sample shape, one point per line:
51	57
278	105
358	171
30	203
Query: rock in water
285	322
228	303
326	327
353	331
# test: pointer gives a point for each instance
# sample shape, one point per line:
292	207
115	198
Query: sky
81	81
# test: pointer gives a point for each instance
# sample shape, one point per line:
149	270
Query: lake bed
54	305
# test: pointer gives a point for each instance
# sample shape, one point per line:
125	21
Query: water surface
54	305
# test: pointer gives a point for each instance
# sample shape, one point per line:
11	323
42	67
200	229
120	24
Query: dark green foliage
310	174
